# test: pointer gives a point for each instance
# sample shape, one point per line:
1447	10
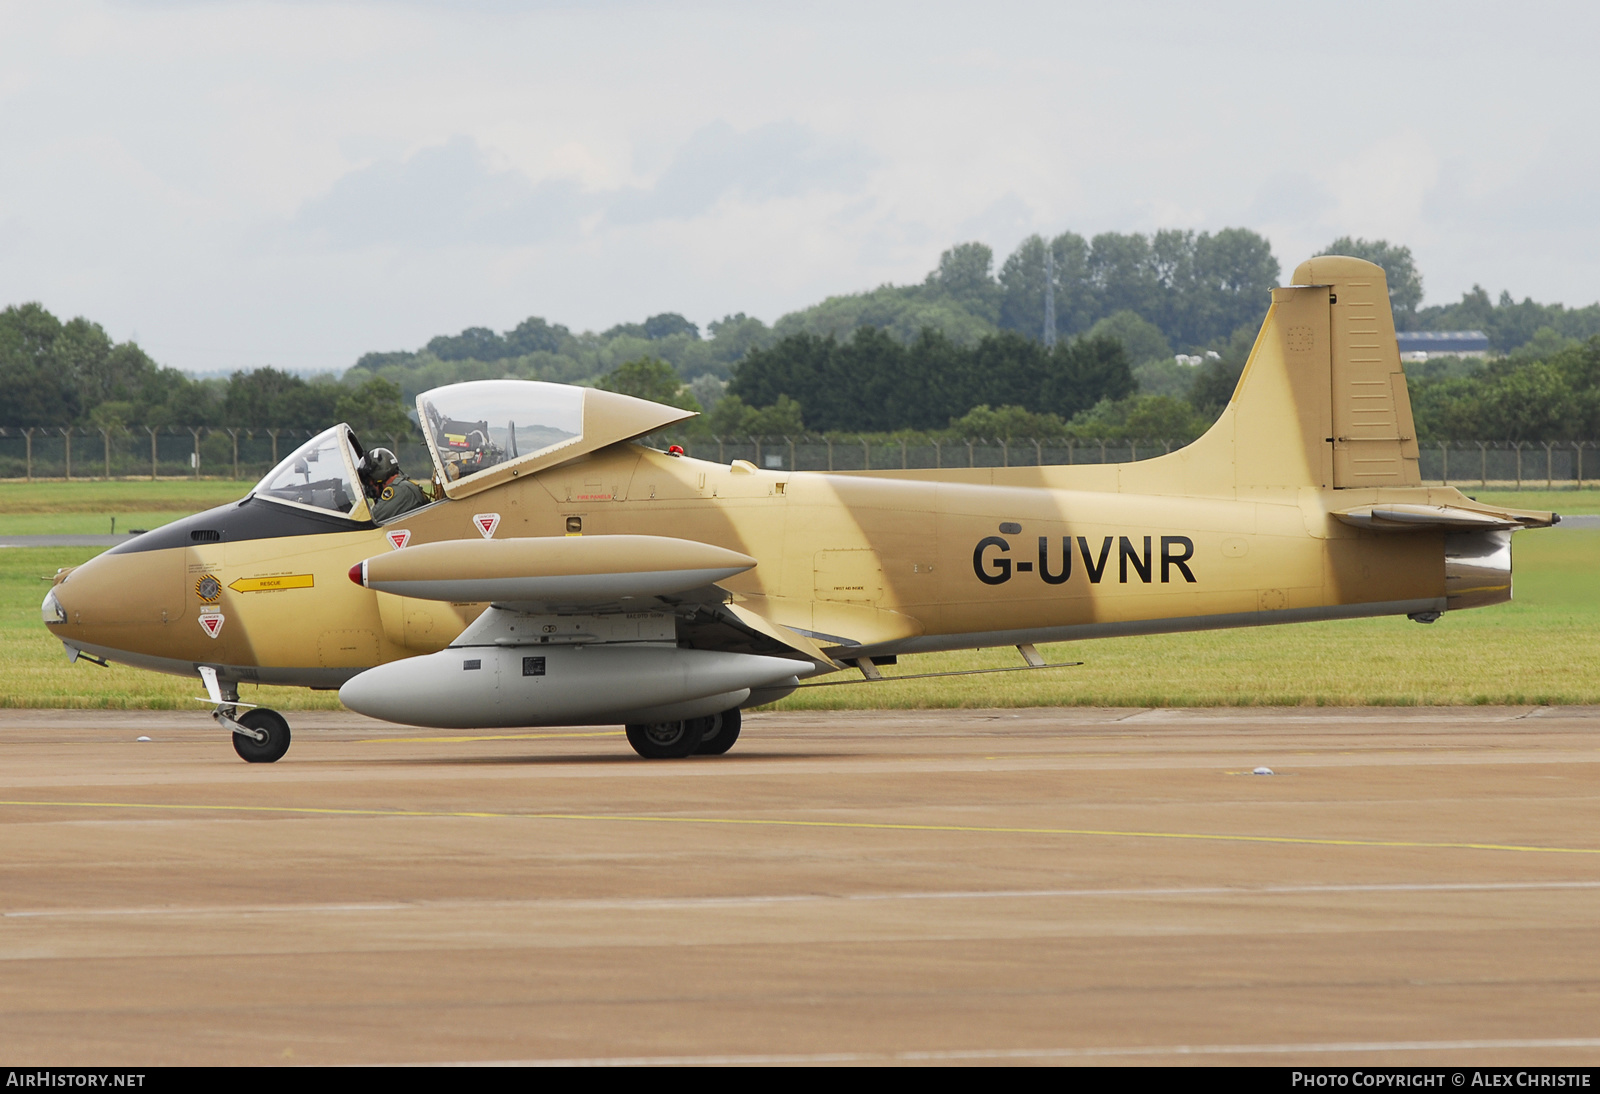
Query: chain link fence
248	454
174	452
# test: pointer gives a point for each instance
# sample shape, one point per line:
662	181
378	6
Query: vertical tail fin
1322	401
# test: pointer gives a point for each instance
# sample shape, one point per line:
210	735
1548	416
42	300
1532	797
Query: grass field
83	508
1543	648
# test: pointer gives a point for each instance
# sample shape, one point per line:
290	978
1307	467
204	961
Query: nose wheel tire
720	733
269	749
666	740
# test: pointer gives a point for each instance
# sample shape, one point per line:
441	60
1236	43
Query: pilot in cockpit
389	492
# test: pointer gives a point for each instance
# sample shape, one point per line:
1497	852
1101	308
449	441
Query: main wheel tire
720	735
268	750
666	740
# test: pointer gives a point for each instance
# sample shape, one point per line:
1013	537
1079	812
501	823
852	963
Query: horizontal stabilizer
1397	517
550	570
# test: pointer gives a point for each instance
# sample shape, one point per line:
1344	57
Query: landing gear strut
710	736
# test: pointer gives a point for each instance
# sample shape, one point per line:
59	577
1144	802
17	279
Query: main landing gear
709	736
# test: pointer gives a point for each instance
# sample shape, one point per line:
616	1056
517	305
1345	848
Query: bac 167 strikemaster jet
568	576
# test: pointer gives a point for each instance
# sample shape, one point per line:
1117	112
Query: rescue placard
271	584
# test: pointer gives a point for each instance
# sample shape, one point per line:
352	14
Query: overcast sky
242	184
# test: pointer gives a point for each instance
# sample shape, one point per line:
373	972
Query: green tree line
1152	332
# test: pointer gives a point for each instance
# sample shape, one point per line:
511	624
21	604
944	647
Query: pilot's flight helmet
379	465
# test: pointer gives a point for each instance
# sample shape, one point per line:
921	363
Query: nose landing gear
273	742
260	736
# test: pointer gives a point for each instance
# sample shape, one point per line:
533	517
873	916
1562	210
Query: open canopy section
321	475
476	427
486	431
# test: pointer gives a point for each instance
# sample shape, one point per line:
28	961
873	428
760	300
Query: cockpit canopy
320	474
474	428
480	433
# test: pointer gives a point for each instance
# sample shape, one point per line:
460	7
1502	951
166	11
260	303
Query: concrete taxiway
1410	886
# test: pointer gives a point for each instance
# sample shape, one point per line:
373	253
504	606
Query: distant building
1419	345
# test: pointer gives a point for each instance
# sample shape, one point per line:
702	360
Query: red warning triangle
398	538
211	624
487	523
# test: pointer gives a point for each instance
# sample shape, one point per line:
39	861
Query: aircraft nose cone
118	591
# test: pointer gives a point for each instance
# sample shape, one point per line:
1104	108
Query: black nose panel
252	518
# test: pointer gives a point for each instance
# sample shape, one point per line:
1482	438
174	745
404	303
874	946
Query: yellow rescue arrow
271	584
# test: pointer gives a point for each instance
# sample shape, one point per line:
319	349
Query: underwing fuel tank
470	687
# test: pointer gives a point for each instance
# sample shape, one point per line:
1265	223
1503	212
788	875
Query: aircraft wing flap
1399	517
776	631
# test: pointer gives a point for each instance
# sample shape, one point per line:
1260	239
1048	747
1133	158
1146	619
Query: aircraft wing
1395	517
584	575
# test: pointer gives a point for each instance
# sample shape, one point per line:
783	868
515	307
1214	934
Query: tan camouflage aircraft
567	575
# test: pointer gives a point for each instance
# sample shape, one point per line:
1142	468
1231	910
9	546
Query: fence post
1038	453
1483	464
1133	450
1005	451
830	452
196	431
233	434
903	458
1580	463
791	453
1519	465
27	435
105	441
970	461
152	433
1444	464
938	453
757	442
1549	465
273	433
1072	444
1102	450
67	433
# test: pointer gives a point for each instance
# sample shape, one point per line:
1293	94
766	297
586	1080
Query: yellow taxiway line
758	822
